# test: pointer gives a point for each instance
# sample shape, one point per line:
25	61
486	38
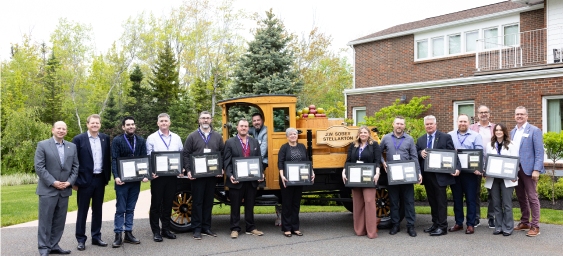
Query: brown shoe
469	230
522	226
534	231
455	228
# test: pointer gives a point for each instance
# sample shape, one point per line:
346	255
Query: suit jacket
49	168
86	159
441	141
371	154
233	148
262	138
531	151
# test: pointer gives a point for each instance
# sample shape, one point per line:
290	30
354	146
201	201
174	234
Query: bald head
59	131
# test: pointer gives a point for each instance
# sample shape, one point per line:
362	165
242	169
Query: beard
205	126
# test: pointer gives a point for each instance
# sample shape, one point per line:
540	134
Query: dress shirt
518	136
96	147
471	140
61	149
433	138
158	141
485	132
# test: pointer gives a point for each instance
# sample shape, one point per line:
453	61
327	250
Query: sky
344	21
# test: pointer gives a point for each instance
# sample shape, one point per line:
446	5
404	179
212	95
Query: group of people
86	164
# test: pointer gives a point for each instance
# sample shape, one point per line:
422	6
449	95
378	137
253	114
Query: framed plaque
207	165
440	160
166	163
503	167
402	172
470	159
360	175
298	173
134	168
247	168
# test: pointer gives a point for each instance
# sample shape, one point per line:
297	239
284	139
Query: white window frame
354	110
427	49
544	109
499	32
431	47
464	41
503	35
448	44
456	106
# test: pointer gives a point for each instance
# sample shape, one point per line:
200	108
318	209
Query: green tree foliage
266	67
111	124
139	104
411	111
164	80
53	93
553	143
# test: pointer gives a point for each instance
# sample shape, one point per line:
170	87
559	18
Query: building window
464	107
552	113
437	46
471	41
511	36
359	115
422	49
491	38
454	44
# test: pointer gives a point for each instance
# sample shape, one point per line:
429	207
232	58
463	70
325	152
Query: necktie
429	142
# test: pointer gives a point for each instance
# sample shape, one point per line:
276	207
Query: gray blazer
49	169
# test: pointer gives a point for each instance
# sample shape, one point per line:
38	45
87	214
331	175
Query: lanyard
206	140
129	144
169	141
244	149
361	150
395	144
462	141
499	147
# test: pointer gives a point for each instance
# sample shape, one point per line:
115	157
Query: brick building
502	55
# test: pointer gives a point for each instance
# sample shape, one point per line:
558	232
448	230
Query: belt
98	175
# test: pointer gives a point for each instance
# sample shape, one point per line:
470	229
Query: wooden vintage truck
327	142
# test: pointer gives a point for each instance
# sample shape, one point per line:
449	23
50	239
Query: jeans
465	184
126	199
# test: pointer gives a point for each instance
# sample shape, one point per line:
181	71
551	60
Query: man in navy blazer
436	183
94	156
529	140
241	145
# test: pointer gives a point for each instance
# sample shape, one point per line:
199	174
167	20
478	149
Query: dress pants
291	203
203	191
437	199
95	193
52	218
502	202
465	185
528	199
162	195
490	207
364	211
126	200
248	193
407	193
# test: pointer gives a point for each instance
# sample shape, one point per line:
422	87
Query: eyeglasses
205	118
482	113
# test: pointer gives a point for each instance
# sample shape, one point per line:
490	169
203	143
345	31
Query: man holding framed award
436	183
400	146
203	140
163	187
243	146
466	182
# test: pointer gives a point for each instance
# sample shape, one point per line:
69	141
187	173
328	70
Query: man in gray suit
56	164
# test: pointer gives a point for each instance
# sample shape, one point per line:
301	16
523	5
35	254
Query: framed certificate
503	167
298	173
360	175
440	160
133	168
470	159
166	163
402	172
207	165
247	168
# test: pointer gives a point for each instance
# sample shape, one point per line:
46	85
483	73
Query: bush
544	188
419	193
19	179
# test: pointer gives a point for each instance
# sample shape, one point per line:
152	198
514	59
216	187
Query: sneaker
534	231
491	223
234	234
255	233
477	223
522	226
197	235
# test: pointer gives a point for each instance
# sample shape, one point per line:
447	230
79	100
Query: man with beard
400	146
127	145
260	132
162	188
465	183
203	140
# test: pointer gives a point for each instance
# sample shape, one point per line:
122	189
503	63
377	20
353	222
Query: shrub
19	179
545	185
419	193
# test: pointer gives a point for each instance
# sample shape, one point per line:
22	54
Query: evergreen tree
266	68
139	104
53	110
110	120
165	78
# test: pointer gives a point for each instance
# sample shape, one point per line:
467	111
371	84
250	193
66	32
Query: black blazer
371	154
441	141
233	148
86	160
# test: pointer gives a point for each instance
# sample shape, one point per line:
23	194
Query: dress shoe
411	231
497	232
234	234
81	246
534	231
157	237
431	229
522	226
439	232
455	228
208	232
118	242
59	251
168	234
394	230
197	235
506	233
491	223
129	238
469	230
99	242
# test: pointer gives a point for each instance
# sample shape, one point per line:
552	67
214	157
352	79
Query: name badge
396	157
207	150
525	135
360	162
